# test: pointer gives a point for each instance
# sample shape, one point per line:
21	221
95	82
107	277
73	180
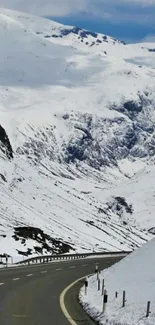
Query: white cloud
148	39
111	10
139	2
46	7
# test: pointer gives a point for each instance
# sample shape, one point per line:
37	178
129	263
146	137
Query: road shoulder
71	307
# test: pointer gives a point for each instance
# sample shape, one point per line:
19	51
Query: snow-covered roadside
134	274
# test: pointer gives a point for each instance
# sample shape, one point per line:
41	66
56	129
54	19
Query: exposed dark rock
78	31
66	116
55	36
98	41
47	243
119	206
3	177
28	252
97	142
130	108
65	32
105	38
152	230
90	222
151	50
83	34
5	145
122	203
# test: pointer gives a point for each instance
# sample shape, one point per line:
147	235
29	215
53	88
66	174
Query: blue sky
130	32
130	20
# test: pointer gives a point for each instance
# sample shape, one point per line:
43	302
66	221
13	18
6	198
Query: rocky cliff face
5	145
95	141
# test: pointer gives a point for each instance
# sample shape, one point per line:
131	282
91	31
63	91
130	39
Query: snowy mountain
77	139
135	275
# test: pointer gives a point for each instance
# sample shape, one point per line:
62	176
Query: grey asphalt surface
30	295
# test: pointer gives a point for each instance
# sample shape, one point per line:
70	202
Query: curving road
30	295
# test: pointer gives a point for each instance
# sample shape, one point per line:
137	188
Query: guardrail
50	258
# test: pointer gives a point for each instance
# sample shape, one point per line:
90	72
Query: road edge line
62	301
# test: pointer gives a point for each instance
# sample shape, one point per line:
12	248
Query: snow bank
134	274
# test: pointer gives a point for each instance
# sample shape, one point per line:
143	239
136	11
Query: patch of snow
135	275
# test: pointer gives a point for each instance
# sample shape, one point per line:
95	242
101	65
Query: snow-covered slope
79	38
66	35
77	138
135	275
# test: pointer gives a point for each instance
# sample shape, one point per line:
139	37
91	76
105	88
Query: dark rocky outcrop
5	145
42	241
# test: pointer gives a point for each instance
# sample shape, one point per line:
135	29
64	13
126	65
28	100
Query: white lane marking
43	272
58	269
72	267
1	284
85	265
29	274
62	301
15	279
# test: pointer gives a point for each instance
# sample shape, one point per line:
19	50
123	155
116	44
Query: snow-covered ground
134	274
78	162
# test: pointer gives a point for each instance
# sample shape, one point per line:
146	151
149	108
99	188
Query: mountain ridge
79	124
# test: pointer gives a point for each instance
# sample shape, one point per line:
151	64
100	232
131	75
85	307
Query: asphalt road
30	295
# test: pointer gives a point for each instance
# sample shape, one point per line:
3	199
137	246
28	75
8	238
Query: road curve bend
31	295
